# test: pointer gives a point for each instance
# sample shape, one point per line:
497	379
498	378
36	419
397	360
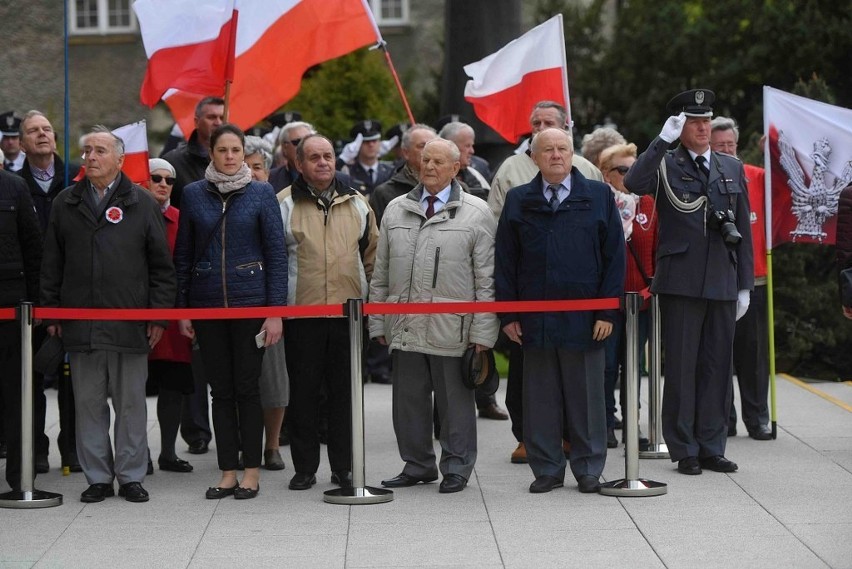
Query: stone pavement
790	505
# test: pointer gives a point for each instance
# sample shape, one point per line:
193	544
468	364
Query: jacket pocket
250	270
448	331
202	269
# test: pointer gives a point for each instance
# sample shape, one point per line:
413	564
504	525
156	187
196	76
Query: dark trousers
515	390
195	414
10	386
232	362
67	416
318	354
751	363
564	386
41	443
616	357
698	336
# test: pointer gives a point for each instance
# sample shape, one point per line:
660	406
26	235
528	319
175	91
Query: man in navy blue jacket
559	237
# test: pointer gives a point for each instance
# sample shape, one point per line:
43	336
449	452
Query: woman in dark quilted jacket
230	253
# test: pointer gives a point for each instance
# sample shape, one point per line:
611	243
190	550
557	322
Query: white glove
743	299
673	127
388	145
350	151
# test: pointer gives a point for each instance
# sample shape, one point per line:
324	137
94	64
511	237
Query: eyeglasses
621	169
295	141
156	178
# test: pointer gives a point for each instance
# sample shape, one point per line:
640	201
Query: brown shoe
494	412
519	455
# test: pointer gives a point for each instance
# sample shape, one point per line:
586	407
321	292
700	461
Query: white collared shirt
563	192
443	197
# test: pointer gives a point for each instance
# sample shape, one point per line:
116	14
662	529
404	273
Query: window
88	17
390	12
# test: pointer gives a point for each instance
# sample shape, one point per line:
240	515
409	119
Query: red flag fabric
276	42
135	167
810	156
189	44
506	85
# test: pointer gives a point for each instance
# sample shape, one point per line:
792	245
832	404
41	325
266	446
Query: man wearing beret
705	270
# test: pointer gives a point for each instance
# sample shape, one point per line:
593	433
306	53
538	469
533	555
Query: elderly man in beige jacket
436	244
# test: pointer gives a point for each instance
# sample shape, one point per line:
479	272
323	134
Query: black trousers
195	414
751	363
232	362
318	354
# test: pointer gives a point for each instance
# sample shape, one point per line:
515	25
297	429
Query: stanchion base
630	488
357	496
34	499
655	451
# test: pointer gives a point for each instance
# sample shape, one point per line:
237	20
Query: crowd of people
228	219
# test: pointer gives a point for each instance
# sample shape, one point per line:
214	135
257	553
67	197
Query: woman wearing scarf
230	253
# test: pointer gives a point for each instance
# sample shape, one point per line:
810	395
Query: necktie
370	175
8	164
553	202
430	209
702	165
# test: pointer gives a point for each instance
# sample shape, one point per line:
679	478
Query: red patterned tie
430	209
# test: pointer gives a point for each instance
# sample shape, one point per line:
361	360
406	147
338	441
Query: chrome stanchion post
27	496
631	484
359	493
656	447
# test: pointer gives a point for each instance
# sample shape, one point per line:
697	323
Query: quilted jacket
241	261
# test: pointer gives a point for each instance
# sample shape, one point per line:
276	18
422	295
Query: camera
723	222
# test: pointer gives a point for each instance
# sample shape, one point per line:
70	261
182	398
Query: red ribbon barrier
315	311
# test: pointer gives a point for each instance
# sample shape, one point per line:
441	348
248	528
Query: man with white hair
463	136
288	138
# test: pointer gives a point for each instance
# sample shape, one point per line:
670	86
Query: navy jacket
573	253
244	263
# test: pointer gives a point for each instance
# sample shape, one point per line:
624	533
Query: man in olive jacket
106	248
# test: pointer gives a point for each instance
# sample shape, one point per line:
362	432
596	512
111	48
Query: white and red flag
504	86
809	162
135	167
275	42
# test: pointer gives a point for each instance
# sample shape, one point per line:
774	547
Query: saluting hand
673	127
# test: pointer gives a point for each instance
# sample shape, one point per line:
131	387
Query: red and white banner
506	85
809	162
135	167
276	42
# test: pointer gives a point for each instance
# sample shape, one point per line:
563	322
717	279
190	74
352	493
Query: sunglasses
156	178
295	141
621	169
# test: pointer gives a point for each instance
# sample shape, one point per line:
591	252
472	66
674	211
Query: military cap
368	129
9	124
693	103
280	119
258	130
397	130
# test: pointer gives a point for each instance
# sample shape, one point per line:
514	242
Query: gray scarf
225	183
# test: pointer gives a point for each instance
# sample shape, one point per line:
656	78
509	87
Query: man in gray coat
705	270
436	244
106	248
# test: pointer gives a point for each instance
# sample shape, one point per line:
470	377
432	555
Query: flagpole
565	73
67	105
770	298
232	57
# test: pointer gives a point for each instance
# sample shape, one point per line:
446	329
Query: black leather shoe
174	465
97	493
494	412
342	478
452	483
241	493
302	481
218	493
718	464
545	483
198	447
688	465
403	480
761	433
4	450
611	441
588	484
133	492
42	464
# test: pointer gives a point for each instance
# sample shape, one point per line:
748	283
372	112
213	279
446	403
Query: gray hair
300	149
254	145
563	113
598	140
28	116
725	123
406	136
285	130
118	143
215	101
451	146
452	129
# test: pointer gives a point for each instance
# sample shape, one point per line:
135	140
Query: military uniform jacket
692	258
360	179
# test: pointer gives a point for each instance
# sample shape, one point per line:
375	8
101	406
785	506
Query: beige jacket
448	258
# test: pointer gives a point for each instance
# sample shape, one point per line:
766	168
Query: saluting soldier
367	171
703	277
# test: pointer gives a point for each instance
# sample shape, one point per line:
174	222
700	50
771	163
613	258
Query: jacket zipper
435	271
224	271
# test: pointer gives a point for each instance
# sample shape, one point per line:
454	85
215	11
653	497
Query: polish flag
506	85
276	42
809	162
135	167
